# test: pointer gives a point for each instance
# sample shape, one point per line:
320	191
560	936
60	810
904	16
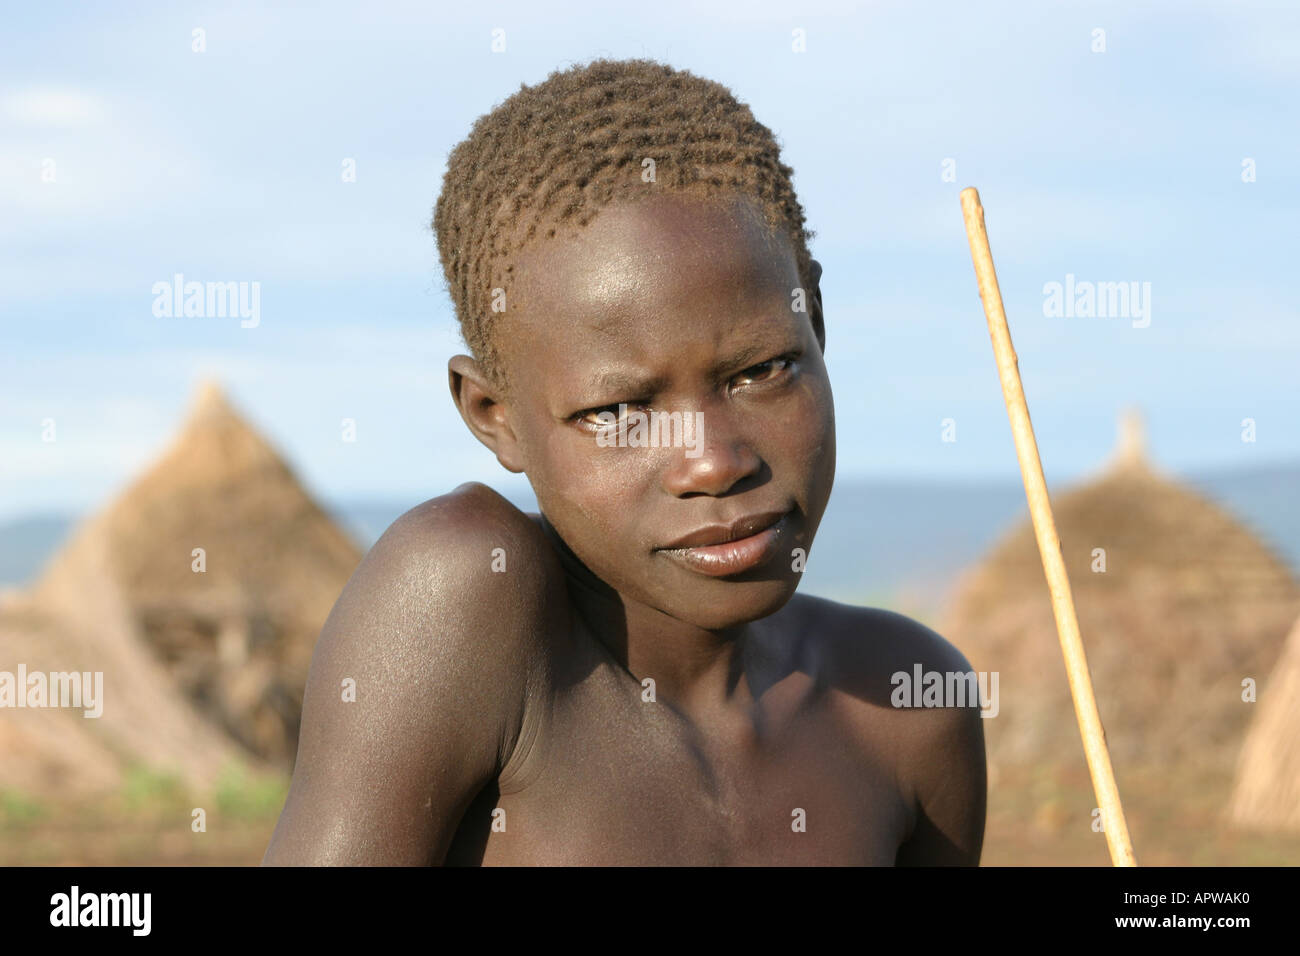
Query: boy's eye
766	371
616	414
592	416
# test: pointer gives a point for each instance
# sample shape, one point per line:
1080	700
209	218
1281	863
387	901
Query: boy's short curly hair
562	150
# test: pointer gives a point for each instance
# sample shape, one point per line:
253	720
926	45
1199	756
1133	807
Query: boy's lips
722	549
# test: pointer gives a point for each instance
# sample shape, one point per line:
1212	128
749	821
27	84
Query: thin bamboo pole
1049	545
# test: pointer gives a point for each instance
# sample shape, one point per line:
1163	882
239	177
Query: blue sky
1115	166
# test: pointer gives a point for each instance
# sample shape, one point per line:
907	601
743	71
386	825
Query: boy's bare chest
613	778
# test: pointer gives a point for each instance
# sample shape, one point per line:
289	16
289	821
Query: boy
628	677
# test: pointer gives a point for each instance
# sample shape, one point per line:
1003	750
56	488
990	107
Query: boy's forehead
650	253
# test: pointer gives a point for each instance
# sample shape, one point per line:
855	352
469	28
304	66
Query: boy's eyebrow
622	381
768	347
619	381
746	356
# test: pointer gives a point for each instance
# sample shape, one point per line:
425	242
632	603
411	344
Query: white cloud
68	169
51	107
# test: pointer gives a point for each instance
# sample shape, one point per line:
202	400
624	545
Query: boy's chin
735	603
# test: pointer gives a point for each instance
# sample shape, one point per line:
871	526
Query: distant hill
879	540
27	543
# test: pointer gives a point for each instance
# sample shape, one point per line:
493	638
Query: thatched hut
81	623
1266	795
1177	604
228	569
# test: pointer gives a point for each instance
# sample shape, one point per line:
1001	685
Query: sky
1147	143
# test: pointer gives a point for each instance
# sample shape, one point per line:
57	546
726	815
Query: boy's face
675	304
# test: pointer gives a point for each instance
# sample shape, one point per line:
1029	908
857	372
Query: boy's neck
696	670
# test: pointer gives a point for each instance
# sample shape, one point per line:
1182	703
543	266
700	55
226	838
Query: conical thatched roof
1267	792
81	623
1190	603
237	637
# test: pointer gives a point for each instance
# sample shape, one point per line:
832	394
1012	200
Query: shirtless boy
628	677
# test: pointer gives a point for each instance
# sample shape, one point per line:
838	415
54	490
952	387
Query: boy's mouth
723	549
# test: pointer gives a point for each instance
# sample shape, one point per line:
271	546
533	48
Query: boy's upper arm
951	793
943	763
441	653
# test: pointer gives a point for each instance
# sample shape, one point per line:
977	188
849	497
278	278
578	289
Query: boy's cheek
597	491
807	429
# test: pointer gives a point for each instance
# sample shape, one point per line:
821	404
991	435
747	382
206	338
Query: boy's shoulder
861	655
471	509
936	753
862	644
472	533
440	639
472	562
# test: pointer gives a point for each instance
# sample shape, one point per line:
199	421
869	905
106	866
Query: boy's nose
722	457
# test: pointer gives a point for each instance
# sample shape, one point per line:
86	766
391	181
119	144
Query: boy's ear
815	313
484	411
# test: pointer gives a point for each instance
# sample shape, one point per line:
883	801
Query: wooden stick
1049	545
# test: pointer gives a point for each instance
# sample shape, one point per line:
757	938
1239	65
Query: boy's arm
944	761
951	792
444	653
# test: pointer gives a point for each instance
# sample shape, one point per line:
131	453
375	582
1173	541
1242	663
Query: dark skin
503	716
